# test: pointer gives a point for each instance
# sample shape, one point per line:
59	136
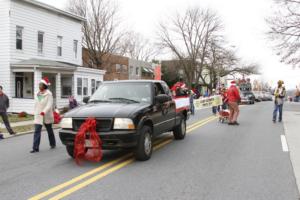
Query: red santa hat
45	81
233	82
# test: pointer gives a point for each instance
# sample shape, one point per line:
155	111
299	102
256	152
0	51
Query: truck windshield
123	92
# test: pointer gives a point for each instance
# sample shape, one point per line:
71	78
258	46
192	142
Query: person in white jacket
43	115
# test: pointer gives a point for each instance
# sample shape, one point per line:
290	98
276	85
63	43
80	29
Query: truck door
164	114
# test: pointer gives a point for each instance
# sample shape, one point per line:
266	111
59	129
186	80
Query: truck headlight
66	123
123	123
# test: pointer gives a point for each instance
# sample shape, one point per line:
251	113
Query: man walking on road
4	105
279	99
233	96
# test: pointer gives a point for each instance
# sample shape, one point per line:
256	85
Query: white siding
35	19
89	74
22	105
5	77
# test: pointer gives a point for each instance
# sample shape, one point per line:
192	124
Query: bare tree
187	37
137	47
285	31
101	28
222	61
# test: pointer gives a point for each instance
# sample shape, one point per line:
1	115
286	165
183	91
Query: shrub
22	114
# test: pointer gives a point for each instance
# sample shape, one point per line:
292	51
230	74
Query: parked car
247	97
129	114
258	96
268	96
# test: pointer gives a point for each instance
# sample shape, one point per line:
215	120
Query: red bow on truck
88	145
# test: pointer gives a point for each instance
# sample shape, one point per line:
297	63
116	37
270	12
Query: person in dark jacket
4	105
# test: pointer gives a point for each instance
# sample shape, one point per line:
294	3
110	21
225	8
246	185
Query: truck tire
70	150
143	150
179	131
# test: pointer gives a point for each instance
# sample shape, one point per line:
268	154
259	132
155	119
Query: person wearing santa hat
233	97
43	115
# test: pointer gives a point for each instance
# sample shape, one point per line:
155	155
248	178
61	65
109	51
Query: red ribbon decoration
81	152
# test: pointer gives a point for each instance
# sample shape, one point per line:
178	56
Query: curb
24	133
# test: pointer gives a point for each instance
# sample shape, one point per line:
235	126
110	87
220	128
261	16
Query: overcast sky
244	22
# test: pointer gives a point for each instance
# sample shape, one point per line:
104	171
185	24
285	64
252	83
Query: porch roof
44	64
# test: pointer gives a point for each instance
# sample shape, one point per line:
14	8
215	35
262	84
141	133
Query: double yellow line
109	167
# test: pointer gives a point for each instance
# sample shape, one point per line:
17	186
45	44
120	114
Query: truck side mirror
162	98
86	100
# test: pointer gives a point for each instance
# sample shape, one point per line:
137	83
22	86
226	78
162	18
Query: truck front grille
102	124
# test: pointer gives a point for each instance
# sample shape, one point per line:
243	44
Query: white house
38	40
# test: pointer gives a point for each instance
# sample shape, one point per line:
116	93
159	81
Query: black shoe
279	120
230	123
236	123
13	133
274	121
34	151
53	147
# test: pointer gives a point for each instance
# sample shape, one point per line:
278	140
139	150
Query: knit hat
280	82
45	81
233	82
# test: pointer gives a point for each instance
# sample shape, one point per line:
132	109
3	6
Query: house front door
19	87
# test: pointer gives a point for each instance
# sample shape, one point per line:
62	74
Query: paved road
215	161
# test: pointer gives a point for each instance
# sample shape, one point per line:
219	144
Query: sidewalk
291	120
15	124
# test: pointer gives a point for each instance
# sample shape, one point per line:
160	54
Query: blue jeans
192	107
215	109
277	108
37	136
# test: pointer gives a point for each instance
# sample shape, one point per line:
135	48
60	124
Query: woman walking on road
43	114
279	99
233	96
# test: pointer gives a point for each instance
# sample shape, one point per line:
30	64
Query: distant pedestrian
179	88
215	108
4	105
192	96
234	99
43	115
223	93
72	102
279	94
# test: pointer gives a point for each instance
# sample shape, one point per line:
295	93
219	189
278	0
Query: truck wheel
180	131
143	151
70	150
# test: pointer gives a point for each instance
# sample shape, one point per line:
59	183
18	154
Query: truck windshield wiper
99	101
124	99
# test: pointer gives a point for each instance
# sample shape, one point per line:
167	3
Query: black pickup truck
129	114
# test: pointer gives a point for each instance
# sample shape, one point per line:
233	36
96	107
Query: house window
59	45
79	86
137	71
75	47
124	68
131	69
40	42
85	87
93	86
91	64
66	86
24	85
19	37
118	68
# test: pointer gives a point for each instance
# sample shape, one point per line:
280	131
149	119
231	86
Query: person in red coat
233	96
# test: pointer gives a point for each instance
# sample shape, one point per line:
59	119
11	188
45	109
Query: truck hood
106	110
